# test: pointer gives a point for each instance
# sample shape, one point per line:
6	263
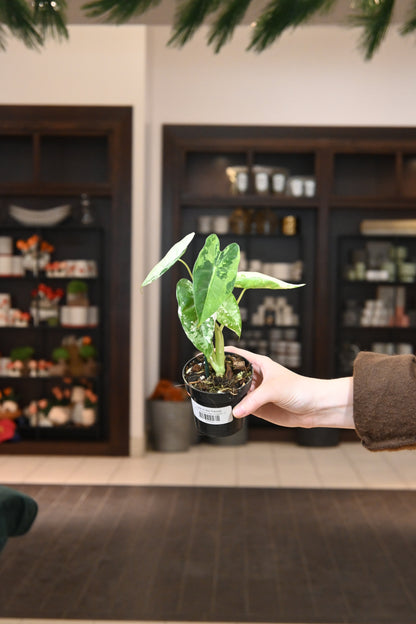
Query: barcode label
212	415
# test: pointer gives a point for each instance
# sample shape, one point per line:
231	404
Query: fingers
255	359
252	402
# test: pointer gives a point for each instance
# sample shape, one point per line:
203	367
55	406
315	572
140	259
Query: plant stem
206	366
240	295
187	268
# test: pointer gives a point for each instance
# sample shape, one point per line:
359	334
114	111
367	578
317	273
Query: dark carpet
214	554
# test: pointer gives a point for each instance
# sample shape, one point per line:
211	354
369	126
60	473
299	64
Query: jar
278	181
239	221
295	186
266	221
261	179
309	186
239	179
220	224
289	225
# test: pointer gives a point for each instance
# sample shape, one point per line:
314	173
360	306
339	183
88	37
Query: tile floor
256	464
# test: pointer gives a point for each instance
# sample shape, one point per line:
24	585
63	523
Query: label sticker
212	415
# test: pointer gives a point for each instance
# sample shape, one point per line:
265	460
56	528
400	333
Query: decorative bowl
43	218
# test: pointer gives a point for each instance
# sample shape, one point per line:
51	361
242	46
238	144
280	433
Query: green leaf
201	335
229	315
169	259
252	279
214	276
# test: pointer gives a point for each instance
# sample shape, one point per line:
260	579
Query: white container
74	316
309	187
6	245
220	224
17	266
205	224
93	316
295	186
6	265
5	301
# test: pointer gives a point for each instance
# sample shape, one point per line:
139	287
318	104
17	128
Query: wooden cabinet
357	173
52	157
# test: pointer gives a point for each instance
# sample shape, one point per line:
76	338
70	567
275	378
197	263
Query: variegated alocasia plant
206	302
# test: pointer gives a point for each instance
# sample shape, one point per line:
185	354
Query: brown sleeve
385	400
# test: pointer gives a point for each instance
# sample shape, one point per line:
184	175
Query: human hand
286	398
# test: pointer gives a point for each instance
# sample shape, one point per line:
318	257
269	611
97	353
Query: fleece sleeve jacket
385	401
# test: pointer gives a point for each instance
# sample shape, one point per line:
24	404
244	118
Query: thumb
251	403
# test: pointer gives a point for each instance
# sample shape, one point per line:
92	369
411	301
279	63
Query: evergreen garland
34	21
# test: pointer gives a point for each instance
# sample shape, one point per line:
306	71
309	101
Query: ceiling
164	13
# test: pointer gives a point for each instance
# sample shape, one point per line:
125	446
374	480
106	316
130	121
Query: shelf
62	153
369	283
47	189
371	203
251	201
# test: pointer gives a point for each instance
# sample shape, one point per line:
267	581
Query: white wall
102	65
312	76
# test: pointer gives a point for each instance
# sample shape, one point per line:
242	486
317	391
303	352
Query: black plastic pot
213	412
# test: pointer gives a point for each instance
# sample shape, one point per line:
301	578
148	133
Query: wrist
334	403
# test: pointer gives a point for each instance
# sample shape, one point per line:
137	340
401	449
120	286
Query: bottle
86	213
239	221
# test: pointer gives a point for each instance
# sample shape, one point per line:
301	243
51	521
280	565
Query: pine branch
410	24
118	11
51	18
374	18
280	15
189	17
16	15
224	26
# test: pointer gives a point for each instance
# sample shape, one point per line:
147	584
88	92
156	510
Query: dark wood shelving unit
360	173
49	156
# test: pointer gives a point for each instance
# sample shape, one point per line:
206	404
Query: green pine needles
33	22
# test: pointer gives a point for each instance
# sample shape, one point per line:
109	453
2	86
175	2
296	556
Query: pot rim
203	392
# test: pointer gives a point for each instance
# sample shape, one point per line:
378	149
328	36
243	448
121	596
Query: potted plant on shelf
215	380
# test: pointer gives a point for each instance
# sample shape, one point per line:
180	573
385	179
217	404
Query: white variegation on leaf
169	259
253	280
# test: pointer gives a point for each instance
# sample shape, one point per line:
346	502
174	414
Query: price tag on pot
212	415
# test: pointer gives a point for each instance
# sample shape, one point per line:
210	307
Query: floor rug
214	554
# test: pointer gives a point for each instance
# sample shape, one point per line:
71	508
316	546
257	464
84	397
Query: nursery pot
213	411
170	425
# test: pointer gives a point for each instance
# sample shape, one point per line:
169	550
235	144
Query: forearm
333	403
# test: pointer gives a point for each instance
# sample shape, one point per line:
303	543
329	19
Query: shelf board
369	283
43	189
251	201
374	328
379	203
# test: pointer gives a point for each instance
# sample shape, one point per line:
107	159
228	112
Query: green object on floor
17	513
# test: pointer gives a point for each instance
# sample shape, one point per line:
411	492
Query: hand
292	400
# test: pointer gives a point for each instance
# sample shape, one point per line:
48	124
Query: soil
237	373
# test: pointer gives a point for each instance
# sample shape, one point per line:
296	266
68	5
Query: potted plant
19	360
215	380
169	418
60	355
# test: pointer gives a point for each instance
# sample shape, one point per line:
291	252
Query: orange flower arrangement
32	243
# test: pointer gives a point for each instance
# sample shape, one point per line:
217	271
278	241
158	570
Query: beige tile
97	470
54	470
136	470
17	469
